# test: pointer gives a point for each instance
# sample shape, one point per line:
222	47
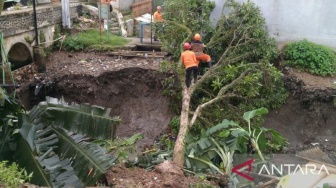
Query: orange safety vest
188	59
157	17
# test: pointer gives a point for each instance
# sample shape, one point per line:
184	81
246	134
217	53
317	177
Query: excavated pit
308	118
130	86
132	89
134	94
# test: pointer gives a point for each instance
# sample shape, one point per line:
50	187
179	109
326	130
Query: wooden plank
138	54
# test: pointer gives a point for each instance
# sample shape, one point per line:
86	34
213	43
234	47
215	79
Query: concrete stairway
114	24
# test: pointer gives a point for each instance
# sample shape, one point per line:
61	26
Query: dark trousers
202	66
190	70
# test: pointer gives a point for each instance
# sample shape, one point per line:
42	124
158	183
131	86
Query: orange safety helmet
186	46
197	36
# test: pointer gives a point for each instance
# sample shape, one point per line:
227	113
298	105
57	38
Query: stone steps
114	24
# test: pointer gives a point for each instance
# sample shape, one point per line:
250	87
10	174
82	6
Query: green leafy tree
242	77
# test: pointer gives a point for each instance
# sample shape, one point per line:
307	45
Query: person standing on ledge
189	61
157	19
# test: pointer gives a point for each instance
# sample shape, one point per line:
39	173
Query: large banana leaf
26	158
93	121
35	153
60	155
90	161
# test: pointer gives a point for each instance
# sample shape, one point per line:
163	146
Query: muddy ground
132	89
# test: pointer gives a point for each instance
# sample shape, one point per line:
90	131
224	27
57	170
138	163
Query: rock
169	167
93	11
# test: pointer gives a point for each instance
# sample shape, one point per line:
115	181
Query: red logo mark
247	163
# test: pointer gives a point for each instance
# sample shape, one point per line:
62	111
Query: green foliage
242	33
12	176
171	88
57	35
73	44
311	57
240	42
263	87
166	143
9	109
216	146
93	40
188	16
50	150
121	147
174	124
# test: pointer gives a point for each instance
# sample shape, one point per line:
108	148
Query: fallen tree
242	77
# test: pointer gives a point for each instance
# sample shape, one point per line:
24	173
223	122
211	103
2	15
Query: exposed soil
309	115
132	89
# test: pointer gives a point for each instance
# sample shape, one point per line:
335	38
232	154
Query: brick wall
15	22
140	8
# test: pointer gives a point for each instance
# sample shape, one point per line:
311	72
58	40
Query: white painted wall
122	4
291	20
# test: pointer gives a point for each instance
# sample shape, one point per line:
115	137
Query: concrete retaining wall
16	22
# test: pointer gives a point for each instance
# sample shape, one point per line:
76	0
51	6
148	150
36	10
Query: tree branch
219	96
200	107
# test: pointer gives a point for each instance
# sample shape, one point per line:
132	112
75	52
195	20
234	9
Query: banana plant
9	109
217	145
55	143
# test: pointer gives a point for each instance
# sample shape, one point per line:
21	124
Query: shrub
12	175
311	57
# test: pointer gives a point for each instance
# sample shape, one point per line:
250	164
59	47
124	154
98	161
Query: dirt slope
309	115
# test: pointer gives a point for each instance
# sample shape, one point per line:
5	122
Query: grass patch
93	40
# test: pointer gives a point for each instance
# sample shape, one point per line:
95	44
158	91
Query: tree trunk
178	156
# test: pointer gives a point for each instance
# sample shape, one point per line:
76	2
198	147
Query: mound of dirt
122	177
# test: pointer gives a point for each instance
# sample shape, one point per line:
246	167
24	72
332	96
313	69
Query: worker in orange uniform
158	15
198	47
189	61
158	18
